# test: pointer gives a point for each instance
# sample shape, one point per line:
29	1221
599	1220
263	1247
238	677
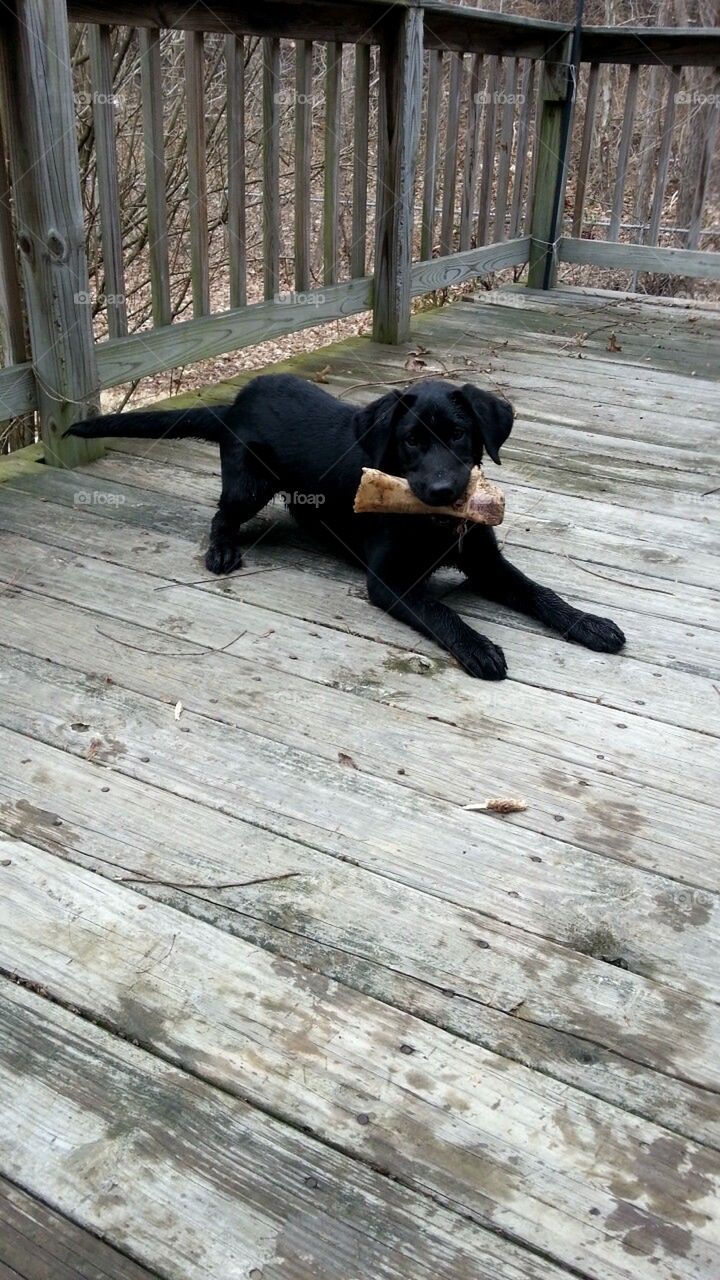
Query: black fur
283	434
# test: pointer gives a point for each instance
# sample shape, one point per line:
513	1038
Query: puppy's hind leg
247	485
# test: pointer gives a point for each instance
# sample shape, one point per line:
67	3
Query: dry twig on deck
159	653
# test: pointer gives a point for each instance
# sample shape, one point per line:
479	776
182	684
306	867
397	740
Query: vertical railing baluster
470	173
624	153
333	127
155	187
506	141
427	229
521	146
303	160
197	175
664	156
536	131
447	222
585	148
361	130
236	217
488	153
710	128
271	166
108	194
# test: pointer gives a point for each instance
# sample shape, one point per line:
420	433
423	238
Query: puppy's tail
158	424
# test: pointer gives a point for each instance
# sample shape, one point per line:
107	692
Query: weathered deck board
373	934
485	1136
523	714
36	1243
544	438
665	490
168	507
669	931
149	1156
274	891
660	634
647	829
537	520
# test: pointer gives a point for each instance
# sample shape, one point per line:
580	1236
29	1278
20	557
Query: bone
483	502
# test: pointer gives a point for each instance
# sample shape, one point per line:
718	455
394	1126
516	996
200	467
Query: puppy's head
433	435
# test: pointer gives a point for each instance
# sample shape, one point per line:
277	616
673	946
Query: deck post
401	67
547	195
38	95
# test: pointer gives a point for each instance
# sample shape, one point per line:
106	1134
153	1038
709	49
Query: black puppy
285	435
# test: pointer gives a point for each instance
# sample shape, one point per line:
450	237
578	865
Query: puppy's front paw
483	659
223	557
601	634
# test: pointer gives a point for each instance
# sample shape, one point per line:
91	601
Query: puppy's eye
457	433
412	439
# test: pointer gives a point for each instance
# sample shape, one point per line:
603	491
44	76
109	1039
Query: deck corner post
37	86
401	76
551	168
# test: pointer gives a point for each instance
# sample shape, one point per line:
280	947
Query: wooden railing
629	232
466	136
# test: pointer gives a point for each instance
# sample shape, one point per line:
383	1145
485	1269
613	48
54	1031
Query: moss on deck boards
672	335
305	365
25	461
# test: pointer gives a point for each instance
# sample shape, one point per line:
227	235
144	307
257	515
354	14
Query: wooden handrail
653	46
446	27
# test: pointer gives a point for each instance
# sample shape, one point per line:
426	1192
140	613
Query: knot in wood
57	246
25	245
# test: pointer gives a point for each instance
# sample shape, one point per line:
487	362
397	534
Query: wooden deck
274	1004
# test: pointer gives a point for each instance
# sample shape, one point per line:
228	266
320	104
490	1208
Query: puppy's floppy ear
492	419
375	429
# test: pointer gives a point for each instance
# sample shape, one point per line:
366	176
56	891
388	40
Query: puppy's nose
440	494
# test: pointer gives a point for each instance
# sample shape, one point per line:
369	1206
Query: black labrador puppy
285	435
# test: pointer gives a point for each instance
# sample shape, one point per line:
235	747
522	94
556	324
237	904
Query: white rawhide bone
483	502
